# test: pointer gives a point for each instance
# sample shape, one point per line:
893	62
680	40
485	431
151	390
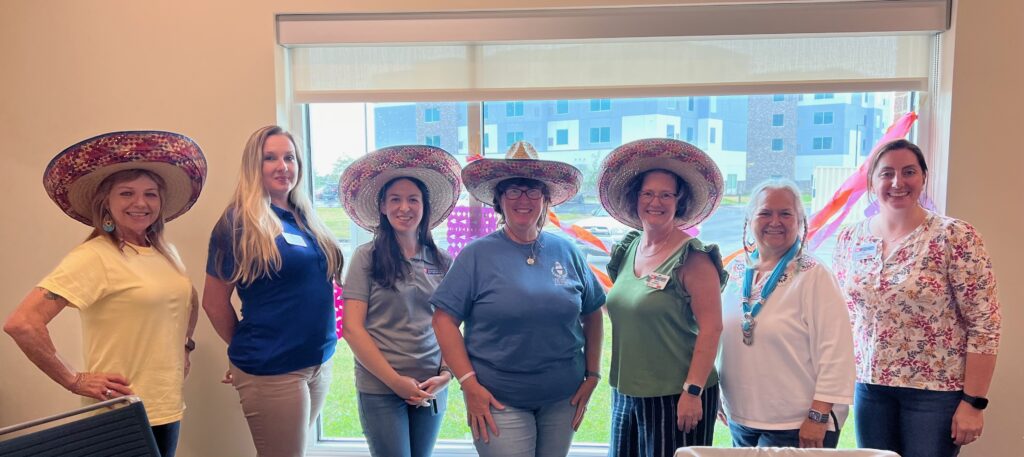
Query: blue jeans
393	428
743	436
166	437
545	431
910	422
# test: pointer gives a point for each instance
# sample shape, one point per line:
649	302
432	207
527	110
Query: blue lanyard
750	312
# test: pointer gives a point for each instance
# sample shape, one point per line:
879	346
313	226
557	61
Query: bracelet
591	374
466	376
79	377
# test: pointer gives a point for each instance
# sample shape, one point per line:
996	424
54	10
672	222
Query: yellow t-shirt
134	308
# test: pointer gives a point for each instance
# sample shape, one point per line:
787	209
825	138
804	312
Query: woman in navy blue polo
270	246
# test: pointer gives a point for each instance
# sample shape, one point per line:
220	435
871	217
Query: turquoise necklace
751	312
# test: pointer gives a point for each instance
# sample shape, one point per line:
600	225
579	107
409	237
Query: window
514	109
600	134
779	98
689	104
600	104
713	136
433	140
777	144
562	136
823	117
824	96
431	115
487	140
562	107
689	134
822	143
777	120
670	131
512	137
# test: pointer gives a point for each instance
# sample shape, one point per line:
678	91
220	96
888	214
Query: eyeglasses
664	197
514	194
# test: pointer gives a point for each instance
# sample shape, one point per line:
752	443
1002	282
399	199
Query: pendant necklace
751	312
532	258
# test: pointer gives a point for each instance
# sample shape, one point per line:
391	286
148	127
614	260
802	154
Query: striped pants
646	426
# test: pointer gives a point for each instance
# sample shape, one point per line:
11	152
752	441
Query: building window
670	131
513	109
777	120
713	136
823	117
779	98
487	140
600	134
824	96
432	115
822	143
433	140
777	144
689	104
512	137
562	107
600	104
689	134
562	136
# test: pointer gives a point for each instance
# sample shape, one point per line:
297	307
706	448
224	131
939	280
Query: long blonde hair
100	211
254	226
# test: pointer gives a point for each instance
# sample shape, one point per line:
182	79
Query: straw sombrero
362	181
684	159
521	161
72	176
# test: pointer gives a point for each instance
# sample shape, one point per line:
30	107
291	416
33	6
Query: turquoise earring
108	225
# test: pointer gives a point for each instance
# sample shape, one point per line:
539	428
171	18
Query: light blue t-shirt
522	322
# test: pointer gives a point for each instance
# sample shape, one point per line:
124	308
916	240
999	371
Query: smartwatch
818	416
976	402
592	374
692	389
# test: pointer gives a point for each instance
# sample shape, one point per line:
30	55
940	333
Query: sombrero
73	176
521	161
684	159
362	181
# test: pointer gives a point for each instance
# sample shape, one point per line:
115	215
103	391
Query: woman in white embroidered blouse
787	372
922	296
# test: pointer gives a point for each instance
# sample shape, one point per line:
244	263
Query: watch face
817	416
978	402
693	389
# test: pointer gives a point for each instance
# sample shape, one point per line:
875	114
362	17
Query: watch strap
692	389
976	402
818	416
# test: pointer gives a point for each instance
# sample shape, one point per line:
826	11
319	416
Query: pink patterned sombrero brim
73	176
563	180
684	159
362	181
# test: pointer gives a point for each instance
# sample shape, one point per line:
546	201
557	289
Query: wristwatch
692	389
817	416
190	345
592	374
976	402
445	368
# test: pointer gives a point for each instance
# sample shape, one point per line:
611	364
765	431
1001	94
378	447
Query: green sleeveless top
653	331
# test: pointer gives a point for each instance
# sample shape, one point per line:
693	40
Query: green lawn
341	419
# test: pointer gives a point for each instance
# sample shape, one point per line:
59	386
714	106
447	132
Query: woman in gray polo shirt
399	193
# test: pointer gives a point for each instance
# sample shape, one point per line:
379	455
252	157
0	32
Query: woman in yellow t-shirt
137	306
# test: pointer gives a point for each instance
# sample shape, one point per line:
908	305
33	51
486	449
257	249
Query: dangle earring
108	224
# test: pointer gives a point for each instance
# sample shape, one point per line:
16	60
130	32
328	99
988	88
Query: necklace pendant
747	326
748	338
530	261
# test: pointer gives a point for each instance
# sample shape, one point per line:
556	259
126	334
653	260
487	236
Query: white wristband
466	376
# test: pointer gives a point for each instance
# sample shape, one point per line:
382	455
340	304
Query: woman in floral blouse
922	296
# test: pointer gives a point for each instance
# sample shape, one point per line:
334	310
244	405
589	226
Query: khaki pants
281	409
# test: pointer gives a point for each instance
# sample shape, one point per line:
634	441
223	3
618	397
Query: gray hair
776	184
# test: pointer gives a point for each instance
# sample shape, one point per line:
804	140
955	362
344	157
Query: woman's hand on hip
688	412
968	422
478	410
101	386
812	434
581	398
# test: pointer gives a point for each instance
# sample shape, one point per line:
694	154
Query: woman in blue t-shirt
270	246
399	193
530	308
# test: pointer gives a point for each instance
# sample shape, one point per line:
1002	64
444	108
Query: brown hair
896	145
501	187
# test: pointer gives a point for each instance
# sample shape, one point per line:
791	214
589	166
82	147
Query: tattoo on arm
52	296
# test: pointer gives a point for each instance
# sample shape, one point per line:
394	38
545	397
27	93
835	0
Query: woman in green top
665	305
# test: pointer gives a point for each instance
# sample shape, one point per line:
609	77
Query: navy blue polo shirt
288	320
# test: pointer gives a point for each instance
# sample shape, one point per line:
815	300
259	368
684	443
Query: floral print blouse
917	313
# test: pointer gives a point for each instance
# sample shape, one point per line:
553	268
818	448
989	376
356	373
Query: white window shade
824	46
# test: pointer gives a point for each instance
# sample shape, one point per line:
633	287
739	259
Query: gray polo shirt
397	320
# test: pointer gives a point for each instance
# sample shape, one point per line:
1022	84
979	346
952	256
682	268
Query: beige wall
73	68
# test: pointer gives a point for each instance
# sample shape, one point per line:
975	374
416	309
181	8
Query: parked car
327	195
605	228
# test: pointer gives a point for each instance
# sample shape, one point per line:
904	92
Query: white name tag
657	281
865	252
294	240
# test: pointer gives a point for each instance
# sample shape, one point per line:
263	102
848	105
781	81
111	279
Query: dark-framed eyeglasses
514	194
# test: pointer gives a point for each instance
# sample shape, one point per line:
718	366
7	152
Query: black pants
167	438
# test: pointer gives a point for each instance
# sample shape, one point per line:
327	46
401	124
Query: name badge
294	240
865	252
657	281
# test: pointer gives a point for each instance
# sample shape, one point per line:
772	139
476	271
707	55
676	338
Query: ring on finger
107	393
